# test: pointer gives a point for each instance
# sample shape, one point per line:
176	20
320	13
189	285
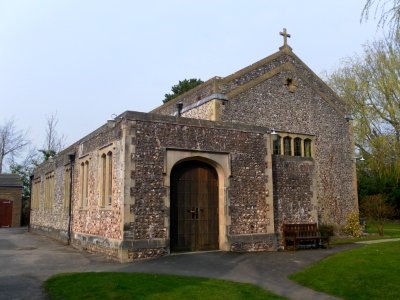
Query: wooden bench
294	234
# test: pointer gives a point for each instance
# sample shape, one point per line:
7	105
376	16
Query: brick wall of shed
14	195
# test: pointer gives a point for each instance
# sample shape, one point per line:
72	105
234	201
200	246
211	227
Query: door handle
194	213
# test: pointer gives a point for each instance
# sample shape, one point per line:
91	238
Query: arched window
287	146
36	193
106	180
109	177
84	183
67	187
49	191
277	145
85	203
103	179
307	148
297	147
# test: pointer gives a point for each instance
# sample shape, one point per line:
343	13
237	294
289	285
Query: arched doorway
194	207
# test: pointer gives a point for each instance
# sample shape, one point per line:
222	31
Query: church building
220	167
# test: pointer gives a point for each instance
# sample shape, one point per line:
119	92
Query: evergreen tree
182	87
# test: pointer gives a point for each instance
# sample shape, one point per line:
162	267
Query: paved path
27	260
378	241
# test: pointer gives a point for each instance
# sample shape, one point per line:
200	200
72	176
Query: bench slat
300	232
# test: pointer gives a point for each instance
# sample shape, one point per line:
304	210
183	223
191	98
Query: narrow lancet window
297	147
277	145
103	179
109	175
85	202
67	190
106	179
287	146
84	183
307	148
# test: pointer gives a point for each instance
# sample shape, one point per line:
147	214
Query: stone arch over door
220	162
194	207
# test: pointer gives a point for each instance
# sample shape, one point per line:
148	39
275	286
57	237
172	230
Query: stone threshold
193	252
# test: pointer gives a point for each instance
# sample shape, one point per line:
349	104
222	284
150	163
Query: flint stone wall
201	91
203	112
54	221
93	228
247	185
260	95
293	179
304	111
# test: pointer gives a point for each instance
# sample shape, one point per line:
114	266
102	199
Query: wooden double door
6	207
194	207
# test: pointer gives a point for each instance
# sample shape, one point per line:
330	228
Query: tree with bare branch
378	211
388	13
12	141
54	143
370	84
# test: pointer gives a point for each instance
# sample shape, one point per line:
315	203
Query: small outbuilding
10	200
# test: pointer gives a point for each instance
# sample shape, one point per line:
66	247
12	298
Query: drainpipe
30	202
71	158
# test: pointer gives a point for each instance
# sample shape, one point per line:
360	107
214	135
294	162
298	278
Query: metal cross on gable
285	36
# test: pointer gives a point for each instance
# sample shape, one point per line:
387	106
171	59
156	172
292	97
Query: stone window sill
106	207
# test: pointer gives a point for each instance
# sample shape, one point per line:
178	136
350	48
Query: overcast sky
88	59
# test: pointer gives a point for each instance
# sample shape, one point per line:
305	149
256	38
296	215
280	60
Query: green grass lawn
391	230
148	286
369	272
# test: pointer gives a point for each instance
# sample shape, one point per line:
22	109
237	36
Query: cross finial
285	36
